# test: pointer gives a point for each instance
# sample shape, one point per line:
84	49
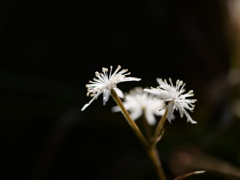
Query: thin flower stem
151	150
159	138
159	128
188	174
129	119
154	156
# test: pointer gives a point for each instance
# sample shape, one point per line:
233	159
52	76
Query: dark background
49	51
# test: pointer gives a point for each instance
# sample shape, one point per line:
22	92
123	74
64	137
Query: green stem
159	128
151	150
129	119
154	156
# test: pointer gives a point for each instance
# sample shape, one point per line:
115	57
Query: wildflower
174	95
138	102
104	82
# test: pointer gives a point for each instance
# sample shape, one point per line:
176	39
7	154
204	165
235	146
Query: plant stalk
151	150
159	128
129	119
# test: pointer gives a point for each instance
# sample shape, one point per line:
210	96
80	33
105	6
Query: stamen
104	69
170	80
191	92
97	74
110	71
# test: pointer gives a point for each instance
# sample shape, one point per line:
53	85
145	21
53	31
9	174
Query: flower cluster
149	102
139	103
175	98
104	82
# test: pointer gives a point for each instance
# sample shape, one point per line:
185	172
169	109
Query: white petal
170	112
106	94
119	92
116	109
181	111
86	105
192	121
130	79
153	91
189	118
136	114
150	118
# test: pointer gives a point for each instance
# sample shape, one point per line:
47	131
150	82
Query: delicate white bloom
104	82
138	102
174	95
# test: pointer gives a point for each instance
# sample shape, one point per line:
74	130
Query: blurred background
51	49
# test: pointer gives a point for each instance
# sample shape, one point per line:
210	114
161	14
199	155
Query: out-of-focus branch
190	158
188	174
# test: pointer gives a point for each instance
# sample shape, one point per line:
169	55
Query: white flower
138	102
174	95
104	82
